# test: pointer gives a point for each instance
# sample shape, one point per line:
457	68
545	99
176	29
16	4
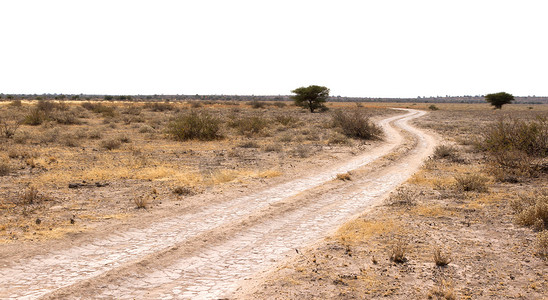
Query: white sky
382	48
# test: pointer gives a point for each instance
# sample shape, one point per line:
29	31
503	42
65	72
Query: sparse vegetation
532	209
397	252
470	183
441	259
195	125
356	125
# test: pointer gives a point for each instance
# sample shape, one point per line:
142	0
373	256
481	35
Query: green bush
194	125
356	125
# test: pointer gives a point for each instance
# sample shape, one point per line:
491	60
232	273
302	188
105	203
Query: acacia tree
499	99
312	97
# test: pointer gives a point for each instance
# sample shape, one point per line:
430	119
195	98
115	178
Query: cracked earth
206	254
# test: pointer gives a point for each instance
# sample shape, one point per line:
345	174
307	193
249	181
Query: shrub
140	201
111	144
441	259
8	127
397	252
16	103
445	151
249	144
532	209
194	125
183	191
516	135
32	196
433	107
35	117
356	125
344	176
470	183
273	148
285	120
403	197
542	243
249	125
159	106
65	117
257	104
5	168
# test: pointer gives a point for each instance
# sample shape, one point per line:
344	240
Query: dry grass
344	176
441	259
470	183
397	252
443	290
532	209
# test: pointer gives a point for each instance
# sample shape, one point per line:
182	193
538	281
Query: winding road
204	255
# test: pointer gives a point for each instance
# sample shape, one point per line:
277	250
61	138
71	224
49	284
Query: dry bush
445	151
470	183
5	167
278	104
542	244
35	117
8	126
285	120
532	209
441	259
442	291
183	191
257	104
433	107
146	129
111	144
16	103
356	125
338	139
273	148
301	151
344	176
249	144
195	125
516	148
141	201
397	252
159	106
403	197
64	117
249	125
99	108
32	196
517	135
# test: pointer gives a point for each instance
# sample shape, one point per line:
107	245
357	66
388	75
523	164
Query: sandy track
205	254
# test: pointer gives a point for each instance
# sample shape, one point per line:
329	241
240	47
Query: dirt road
206	254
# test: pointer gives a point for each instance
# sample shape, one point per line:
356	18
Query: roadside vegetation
471	224
61	161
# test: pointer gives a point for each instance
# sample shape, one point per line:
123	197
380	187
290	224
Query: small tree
312	97
499	99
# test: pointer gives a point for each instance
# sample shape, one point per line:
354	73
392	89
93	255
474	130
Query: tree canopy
499	99
312	97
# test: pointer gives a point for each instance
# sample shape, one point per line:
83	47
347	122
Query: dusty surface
489	255
207	250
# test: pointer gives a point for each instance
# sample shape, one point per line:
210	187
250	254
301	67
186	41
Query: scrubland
67	167
471	224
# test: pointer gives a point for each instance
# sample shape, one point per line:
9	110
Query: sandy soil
218	240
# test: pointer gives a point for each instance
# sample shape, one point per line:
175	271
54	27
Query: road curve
205	254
